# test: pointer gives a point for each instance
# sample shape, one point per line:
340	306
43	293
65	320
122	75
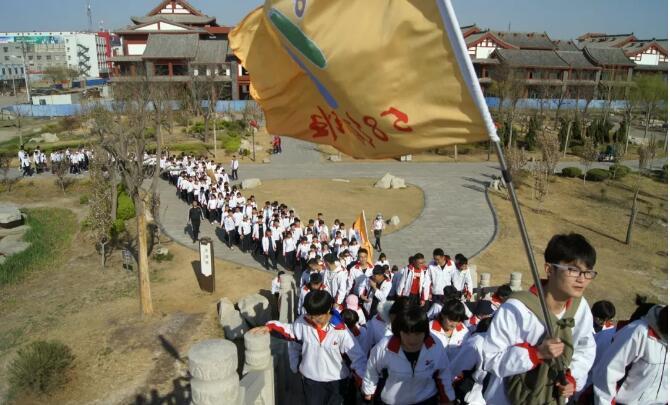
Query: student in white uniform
468	369
373	290
324	341
449	329
638	356
378	226
337	278
461	278
516	349
439	275
415	365
315	283
603	325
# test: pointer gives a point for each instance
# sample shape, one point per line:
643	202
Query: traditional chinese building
175	42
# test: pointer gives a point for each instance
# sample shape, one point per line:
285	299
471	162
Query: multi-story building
80	51
12	77
650	56
176	42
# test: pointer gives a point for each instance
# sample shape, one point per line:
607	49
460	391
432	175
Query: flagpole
452	28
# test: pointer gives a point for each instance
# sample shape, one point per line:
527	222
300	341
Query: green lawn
50	234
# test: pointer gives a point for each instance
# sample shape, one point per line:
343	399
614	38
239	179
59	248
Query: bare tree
650	92
100	205
551	151
209	86
60	170
122	133
517	160
589	155
5	166
509	87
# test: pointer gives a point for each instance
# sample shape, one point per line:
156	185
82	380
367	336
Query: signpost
207	264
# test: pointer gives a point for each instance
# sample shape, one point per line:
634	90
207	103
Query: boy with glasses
522	360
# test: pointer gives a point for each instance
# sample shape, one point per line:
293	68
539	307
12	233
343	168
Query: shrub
597	175
619	171
125	208
231	144
163	258
118	227
572	172
83	200
40	367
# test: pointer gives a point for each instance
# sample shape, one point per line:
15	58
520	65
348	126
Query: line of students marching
36	162
414	335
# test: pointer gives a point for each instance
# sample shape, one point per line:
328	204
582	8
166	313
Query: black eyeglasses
576	271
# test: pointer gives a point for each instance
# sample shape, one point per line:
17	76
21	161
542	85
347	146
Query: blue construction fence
63	110
66	110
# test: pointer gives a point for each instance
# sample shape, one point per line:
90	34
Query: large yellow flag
373	78
362	230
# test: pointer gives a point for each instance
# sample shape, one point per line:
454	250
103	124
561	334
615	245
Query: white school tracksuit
438	277
405	385
451	343
510	346
639	356
318	354
462	280
405	285
337	284
303	293
380	293
467	358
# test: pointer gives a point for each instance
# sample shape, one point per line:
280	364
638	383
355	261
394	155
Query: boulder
37	139
250	183
10	216
397	183
162	251
335	158
19	230
384	182
50	138
342	180
267	160
13	244
395	221
255	309
231	321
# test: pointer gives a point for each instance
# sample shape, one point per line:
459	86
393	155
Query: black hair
504	291
330	258
281	272
483	325
361	250
454	310
412	320
604	310
410	259
349	317
438	252
663	321
418	256
312	262
460	260
399	305
318	302
642	308
570	248
315	278
451	293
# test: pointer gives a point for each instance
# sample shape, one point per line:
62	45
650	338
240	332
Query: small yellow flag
361	229
373	78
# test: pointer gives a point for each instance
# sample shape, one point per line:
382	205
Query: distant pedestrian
234	166
194	217
377	228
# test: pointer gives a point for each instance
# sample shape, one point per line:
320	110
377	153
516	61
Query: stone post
258	364
287	299
515	281
484	281
213	367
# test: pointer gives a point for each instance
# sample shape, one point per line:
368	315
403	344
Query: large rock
19	230
233	325
267	160
250	183
10	216
13	244
397	183
384	182
395	221
37	139
255	309
335	158
50	138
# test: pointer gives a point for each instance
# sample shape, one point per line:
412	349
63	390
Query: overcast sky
561	19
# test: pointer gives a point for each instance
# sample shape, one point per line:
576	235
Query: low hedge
572	172
619	171
597	175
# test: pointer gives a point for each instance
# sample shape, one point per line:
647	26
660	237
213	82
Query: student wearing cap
374	290
482	309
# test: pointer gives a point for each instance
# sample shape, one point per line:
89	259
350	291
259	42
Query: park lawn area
50	233
599	211
119	356
343	201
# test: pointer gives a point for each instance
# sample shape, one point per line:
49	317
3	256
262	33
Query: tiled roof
607	56
171	46
211	52
576	59
528	57
526	40
565	45
178	18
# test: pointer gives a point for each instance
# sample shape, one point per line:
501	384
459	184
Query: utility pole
89	13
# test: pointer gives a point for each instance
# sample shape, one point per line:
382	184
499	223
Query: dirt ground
343	201
602	217
120	357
